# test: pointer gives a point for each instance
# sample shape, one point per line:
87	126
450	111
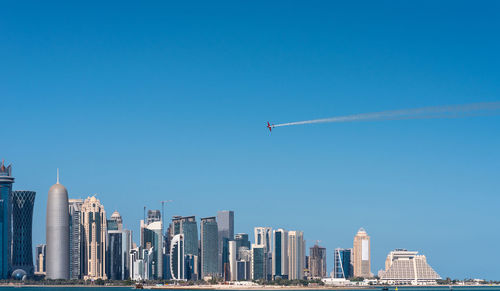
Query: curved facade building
57	232
22	218
6	181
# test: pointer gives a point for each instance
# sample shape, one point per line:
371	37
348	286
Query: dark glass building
209	247
6	181
22	218
342	265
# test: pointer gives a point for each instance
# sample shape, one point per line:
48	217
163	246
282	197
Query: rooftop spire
57	176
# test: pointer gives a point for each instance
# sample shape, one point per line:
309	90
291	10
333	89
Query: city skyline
173	99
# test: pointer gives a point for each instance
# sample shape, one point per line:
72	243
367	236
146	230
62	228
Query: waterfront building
263	236
94	225
22	218
361	255
209	247
232	260
317	262
40	252
57	232
280	254
75	238
406	267
225	227
119	246
152	238
342	266
258	263
6	181
177	266
296	255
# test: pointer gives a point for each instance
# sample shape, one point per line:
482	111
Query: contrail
449	111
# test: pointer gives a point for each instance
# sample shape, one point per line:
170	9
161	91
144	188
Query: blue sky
142	102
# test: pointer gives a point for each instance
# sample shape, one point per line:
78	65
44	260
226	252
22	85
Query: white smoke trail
450	111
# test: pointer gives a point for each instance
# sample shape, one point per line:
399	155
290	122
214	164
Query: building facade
6	181
57	233
280	254
263	236
177	265
119	244
296	255
342	265
361	255
75	238
225	227
209	247
22	218
404	267
40	252
258	263
94	225
317	262
152	239
233	254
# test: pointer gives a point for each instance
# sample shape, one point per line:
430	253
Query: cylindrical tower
57	233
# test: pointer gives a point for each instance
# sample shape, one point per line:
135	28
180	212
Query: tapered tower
57	232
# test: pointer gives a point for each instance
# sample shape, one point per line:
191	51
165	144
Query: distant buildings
22	217
406	267
361	254
342	264
6	181
152	248
317	262
209	247
280	254
225	226
263	236
296	254
259	262
57	233
119	243
94	239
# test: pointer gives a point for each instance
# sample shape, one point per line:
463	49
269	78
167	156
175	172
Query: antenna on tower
57	176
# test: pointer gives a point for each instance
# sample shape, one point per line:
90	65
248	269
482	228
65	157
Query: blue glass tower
6	181
22	218
342	267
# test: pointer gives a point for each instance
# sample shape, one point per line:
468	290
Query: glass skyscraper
6	181
209	246
258	265
75	238
225	225
342	265
22	218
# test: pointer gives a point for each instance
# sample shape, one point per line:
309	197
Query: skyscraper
152	239
119	245
189	228
40	253
177	267
241	240
361	254
280	254
232	260
258	263
296	254
22	217
225	225
209	246
75	238
6	181
263	236
95	239
57	232
317	261
342	265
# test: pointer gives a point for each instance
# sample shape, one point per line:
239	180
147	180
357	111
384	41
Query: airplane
270	126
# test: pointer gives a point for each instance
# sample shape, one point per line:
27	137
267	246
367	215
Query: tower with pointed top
57	232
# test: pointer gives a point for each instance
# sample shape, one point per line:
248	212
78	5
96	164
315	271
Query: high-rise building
258	263
57	233
94	239
342	265
361	254
317	262
153	216
119	245
232	260
40	252
188	227
242	240
22	217
75	238
152	239
404	267
177	266
209	247
263	236
296	255
225	225
280	254
244	264
6	181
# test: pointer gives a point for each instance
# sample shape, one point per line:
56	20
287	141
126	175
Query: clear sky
147	101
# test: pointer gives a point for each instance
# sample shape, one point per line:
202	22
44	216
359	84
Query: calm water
445	288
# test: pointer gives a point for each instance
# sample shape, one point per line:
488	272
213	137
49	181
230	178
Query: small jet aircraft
270	126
